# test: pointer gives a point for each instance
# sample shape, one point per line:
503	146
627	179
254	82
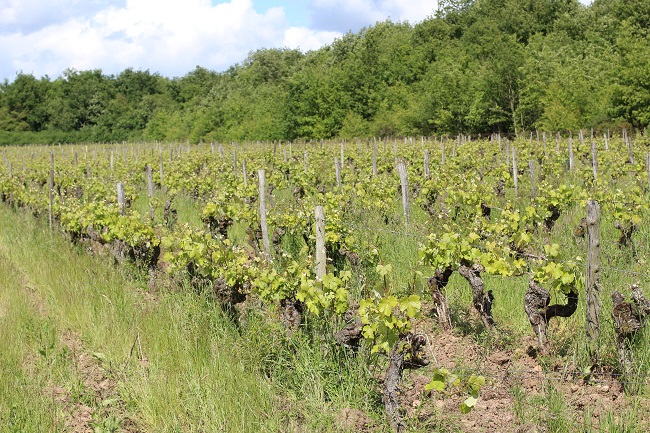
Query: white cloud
170	36
28	16
165	36
346	15
307	39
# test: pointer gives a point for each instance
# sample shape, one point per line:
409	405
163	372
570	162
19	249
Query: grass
180	364
195	379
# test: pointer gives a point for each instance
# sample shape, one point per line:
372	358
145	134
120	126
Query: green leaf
411	305
476	382
437	385
386	305
384	270
468	404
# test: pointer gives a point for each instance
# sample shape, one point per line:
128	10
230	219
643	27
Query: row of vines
482	209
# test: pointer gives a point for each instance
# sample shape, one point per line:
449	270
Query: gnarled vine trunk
406	354
436	284
482	300
629	318
536	304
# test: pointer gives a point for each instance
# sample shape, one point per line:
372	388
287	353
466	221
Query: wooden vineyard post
427	173
243	166
321	253
265	230
120	198
374	159
544	140
149	181
150	189
647	165
594	159
442	158
630	147
582	139
162	172
514	168
606	141
337	168
401	169
570	151
306	160
11	171
234	161
51	192
592	277
533	190
51	188
112	161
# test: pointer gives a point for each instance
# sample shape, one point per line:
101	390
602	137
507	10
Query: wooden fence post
442	158
630	147
514	168
149	181
161	169
647	164
592	277
337	168
321	253
150	190
374	159
427	173
51	188
120	198
594	159
265	230
401	169
243	166
533	190
570	151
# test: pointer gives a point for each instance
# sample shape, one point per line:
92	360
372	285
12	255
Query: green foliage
444	381
477	67
564	276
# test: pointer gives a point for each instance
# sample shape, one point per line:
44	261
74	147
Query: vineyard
387	285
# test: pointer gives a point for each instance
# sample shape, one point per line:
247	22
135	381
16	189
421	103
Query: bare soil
505	370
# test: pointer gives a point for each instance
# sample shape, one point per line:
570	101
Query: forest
475	67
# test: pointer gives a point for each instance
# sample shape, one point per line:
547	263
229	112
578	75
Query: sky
45	37
172	37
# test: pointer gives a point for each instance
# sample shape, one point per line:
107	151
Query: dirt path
92	403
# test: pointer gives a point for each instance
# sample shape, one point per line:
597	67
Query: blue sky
172	37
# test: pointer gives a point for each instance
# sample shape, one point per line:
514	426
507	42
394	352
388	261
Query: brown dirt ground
99	387
504	370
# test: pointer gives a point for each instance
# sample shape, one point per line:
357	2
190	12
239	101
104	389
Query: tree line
475	66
